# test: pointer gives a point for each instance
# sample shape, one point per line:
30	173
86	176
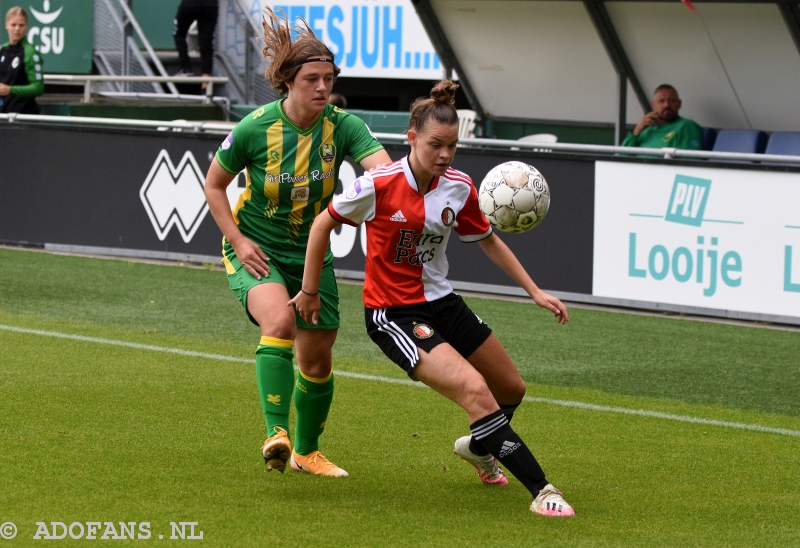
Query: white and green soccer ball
514	197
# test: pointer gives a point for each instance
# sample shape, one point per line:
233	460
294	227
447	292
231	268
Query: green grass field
106	416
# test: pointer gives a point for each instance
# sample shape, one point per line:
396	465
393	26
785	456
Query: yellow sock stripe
316	381
273	341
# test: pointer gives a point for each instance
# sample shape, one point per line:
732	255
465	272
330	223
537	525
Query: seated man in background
662	127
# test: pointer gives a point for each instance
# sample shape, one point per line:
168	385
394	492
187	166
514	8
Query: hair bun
445	92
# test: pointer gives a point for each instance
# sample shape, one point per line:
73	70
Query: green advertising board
62	31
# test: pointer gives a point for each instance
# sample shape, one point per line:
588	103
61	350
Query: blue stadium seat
784	142
740	140
709	137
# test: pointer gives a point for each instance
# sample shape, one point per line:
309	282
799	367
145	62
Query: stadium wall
683	236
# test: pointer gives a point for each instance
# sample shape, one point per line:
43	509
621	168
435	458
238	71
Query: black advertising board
142	190
82	186
557	253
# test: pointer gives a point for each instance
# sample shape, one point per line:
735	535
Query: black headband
311	60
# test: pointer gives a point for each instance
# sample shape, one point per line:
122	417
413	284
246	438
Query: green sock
312	400
275	375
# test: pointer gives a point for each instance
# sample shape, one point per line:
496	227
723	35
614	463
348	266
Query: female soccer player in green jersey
291	151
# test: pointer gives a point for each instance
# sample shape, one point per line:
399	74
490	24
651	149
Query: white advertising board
370	38
701	237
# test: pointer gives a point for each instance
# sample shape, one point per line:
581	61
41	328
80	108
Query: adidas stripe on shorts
402	330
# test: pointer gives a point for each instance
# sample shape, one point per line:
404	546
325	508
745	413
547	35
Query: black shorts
401	330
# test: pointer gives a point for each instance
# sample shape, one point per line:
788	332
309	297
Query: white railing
506	144
177	125
667	153
88	80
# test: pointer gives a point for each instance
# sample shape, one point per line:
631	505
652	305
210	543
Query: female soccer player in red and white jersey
412	314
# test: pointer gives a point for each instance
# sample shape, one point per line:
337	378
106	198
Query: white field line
408	382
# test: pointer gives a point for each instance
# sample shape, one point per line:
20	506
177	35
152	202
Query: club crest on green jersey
327	151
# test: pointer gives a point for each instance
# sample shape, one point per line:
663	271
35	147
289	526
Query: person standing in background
21	79
205	12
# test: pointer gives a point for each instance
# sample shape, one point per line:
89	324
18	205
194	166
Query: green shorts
289	273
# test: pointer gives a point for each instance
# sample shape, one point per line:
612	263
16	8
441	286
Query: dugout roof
735	64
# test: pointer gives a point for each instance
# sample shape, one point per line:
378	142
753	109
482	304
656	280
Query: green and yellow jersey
291	172
680	133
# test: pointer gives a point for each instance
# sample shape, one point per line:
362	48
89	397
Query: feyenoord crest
423	331
327	151
448	216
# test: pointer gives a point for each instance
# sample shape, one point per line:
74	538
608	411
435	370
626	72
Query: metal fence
117	53
238	48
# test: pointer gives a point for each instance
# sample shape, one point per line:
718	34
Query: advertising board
372	39
143	191
687	238
713	238
61	31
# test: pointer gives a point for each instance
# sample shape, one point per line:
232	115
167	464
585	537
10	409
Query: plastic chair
466	123
709	138
165	128
784	142
741	140
538	138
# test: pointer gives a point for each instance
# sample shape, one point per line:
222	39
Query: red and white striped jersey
407	232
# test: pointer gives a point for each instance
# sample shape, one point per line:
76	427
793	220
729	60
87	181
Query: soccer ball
514	197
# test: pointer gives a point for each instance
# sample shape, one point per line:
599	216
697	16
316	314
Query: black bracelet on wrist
309	294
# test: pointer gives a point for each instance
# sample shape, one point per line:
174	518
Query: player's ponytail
440	106
287	56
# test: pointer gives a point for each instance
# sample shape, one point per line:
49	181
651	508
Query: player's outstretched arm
376	159
249	254
307	300
503	257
